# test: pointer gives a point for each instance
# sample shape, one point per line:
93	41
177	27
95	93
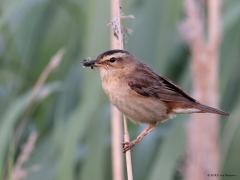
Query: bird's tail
208	109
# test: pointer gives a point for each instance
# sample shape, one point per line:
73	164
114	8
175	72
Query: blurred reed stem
19	172
202	130
50	67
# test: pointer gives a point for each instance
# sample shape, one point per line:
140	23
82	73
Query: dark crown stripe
107	53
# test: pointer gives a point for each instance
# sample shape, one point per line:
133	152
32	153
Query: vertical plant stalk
202	130
117	43
117	161
128	154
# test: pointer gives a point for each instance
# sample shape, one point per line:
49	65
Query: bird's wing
147	83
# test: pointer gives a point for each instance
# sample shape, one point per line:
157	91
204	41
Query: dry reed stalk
117	43
19	173
51	66
117	161
202	130
128	154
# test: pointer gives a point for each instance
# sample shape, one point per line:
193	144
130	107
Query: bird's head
114	61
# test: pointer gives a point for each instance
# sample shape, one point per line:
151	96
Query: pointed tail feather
208	109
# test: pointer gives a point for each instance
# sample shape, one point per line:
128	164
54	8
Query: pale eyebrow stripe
117	55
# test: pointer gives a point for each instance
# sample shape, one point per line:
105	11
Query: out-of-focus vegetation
73	119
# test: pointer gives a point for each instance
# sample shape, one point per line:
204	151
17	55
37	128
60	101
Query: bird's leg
128	145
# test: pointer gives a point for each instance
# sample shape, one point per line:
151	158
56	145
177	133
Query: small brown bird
141	94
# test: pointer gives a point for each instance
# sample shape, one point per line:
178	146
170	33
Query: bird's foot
127	146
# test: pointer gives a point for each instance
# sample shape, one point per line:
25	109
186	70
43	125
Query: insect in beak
89	63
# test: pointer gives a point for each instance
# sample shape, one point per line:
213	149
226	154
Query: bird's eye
112	60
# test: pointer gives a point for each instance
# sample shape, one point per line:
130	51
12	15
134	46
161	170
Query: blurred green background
73	119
